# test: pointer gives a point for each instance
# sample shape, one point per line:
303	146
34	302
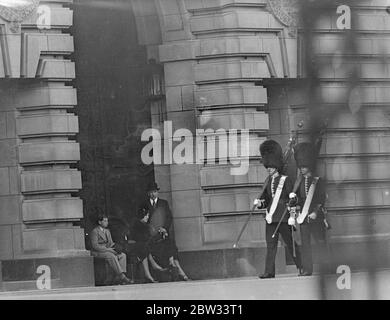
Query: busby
305	155
272	154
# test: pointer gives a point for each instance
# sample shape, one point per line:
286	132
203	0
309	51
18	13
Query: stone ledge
47	125
40	98
50	181
237	119
52	209
231	71
52	239
228	263
232	95
219	176
33	153
198	5
68	272
233	201
234	21
56	69
61	18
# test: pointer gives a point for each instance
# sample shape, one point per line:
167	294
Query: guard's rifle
318	144
286	158
291	204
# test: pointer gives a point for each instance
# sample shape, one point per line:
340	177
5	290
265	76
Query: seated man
103	247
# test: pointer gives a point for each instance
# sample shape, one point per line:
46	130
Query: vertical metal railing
349	57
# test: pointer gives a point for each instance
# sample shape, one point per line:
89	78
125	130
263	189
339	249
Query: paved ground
363	286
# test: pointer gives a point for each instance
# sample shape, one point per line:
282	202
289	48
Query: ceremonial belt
302	216
275	200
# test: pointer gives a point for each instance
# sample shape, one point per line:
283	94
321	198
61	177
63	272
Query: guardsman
311	197
275	198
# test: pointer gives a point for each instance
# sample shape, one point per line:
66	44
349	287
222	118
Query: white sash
275	201
302	216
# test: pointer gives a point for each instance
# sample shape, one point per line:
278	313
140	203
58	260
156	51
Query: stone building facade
72	111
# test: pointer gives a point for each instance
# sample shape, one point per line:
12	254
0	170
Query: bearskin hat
272	154
305	155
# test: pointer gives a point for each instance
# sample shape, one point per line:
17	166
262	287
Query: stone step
28	285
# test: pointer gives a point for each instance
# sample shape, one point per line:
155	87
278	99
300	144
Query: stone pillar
39	179
216	55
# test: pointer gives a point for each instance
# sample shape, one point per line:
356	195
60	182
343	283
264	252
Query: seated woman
142	236
165	251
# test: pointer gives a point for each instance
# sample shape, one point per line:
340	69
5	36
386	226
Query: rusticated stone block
220	72
179	73
237	45
185	177
234	20
237	119
7	125
216	146
46	97
35	44
227	230
178	51
56	69
52	209
50	181
47	125
359	170
229	202
5	242
186	240
350	197
9	181
35	240
220	176
180	98
193	5
49	152
60	18
186	204
8	152
355	225
10	208
227	96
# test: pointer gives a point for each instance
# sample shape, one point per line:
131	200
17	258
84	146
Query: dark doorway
112	108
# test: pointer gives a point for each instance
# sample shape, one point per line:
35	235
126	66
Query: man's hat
153	186
272	154
305	155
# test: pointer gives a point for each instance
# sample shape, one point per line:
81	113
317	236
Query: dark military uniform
305	156
284	229
272	157
310	227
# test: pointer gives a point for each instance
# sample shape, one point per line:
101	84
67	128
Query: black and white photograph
211	152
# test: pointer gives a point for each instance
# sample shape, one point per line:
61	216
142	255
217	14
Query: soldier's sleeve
300	196
265	196
321	195
288	186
